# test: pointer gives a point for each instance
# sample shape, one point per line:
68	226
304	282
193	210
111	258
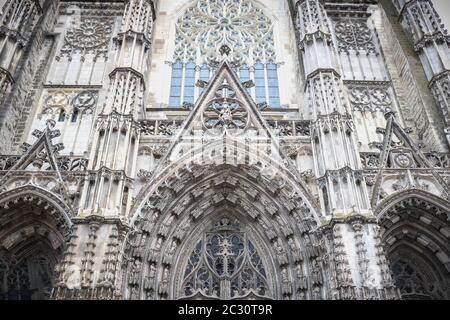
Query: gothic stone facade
224	149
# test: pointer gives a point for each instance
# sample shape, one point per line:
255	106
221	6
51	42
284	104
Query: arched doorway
416	234
32	236
207	216
225	264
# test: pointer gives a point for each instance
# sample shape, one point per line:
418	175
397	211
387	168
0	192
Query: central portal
225	264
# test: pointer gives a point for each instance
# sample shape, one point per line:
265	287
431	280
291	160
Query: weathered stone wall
14	108
418	107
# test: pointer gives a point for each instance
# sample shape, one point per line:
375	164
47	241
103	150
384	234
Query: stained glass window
208	26
260	83
204	74
177	79
272	82
225	265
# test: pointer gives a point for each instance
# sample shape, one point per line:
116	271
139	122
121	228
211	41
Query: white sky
443	8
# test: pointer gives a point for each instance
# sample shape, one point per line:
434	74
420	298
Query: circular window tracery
91	33
354	35
211	24
225	112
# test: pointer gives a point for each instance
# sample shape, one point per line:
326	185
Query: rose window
212	31
90	34
210	24
354	35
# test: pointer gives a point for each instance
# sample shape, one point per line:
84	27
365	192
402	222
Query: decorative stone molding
354	35
91	36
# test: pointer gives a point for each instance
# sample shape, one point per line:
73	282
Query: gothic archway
225	261
33	231
416	233
184	208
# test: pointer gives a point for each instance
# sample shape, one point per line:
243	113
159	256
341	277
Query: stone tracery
91	36
354	35
207	202
212	31
210	24
225	112
225	265
291	243
416	231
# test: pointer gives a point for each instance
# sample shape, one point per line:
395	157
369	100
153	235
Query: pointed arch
180	208
34	227
61	211
249	270
416	230
257	161
193	140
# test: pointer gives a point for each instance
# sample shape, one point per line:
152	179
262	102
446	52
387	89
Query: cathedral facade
224	149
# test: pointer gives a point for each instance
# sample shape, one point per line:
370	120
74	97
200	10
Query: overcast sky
443	8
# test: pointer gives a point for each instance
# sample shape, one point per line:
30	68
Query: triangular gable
193	143
196	123
225	74
41	150
405	144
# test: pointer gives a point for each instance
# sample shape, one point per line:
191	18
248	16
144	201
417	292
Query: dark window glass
74	115
62	116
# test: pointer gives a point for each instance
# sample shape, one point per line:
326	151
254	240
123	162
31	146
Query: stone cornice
94	7
367	83
319	34
355	10
319	71
102	220
133	34
13	34
438	77
426	39
126	70
329	222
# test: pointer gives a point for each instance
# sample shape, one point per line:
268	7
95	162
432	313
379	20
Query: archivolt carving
34	227
415	226
285	225
428	201
51	203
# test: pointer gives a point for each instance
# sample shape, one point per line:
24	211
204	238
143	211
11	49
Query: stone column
431	42
89	270
16	23
343	193
115	143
